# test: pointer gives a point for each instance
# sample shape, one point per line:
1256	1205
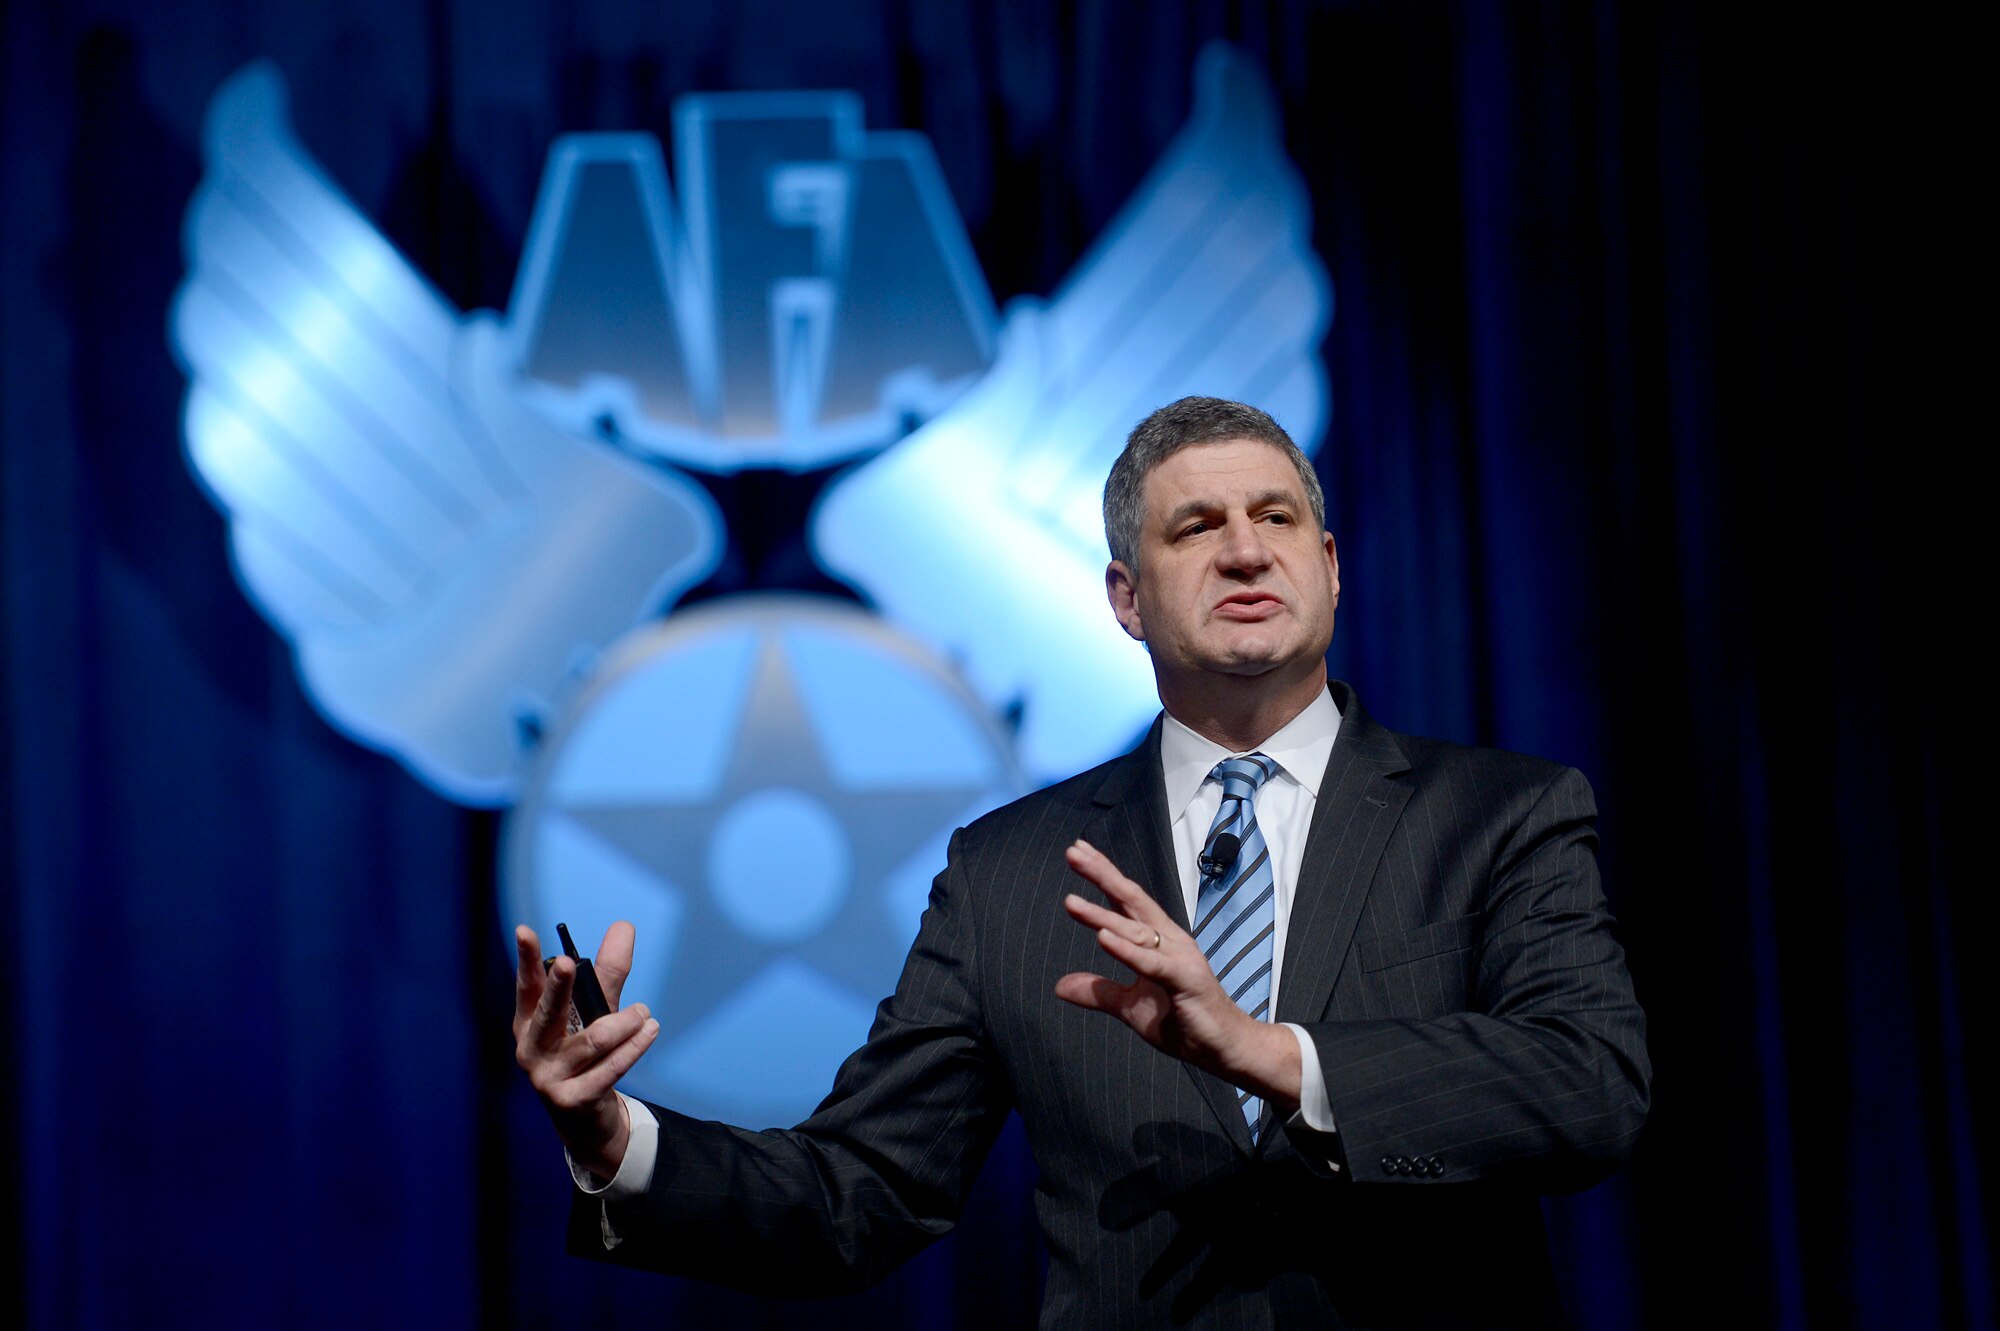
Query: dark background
1652	449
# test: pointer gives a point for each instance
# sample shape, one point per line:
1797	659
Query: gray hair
1178	425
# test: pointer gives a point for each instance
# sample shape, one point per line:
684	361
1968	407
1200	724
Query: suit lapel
1136	833
1131	825
1360	800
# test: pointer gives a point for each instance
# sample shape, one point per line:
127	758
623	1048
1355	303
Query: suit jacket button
1388	1165
1436	1166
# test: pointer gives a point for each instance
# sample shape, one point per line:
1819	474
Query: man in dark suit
1364	1001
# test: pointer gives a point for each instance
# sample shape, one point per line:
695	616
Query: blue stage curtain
1650	451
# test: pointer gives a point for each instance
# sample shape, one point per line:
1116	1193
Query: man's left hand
1175	1003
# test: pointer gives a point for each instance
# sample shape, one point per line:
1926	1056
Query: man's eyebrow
1194	508
1191	508
1275	499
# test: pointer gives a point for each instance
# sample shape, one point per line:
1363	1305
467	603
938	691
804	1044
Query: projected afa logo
474	528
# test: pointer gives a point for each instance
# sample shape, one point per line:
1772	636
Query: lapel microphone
1221	853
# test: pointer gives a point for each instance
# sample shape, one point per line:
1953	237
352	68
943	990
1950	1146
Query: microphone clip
1220	854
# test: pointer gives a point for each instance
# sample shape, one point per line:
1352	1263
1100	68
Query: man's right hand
576	1076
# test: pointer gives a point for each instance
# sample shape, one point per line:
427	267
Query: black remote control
586	998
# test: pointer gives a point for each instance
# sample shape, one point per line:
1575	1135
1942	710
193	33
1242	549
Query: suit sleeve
881	1168
1545	1081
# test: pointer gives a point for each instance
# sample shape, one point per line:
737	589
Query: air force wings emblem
1205	283
450	516
474	529
439	555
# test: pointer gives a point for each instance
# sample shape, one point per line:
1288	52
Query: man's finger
1093	865
590	1045
1093	916
527	975
1143	958
617	1061
614	960
551	1020
1092	991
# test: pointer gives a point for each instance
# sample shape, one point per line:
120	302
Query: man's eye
1194	529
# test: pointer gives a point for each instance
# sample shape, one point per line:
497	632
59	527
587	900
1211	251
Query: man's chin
1245	665
1253	653
1259	661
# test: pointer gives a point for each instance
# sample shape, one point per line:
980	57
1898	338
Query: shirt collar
1301	748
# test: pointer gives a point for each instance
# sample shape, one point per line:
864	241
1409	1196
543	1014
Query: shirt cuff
1315	1112
635	1171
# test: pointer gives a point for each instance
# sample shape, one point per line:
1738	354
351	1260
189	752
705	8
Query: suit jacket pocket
1385	950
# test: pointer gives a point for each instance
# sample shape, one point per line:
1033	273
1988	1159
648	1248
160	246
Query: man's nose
1244	548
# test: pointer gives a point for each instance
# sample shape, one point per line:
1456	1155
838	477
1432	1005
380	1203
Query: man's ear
1121	585
1333	568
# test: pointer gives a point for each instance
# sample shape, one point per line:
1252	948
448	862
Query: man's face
1235	577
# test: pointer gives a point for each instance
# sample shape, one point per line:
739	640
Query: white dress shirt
1284	814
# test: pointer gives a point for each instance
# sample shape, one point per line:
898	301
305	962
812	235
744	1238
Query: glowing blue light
820	290
441	558
766	1059
778	864
981	533
462	524
789	868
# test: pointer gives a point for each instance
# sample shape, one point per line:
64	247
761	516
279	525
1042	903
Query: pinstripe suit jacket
1451	954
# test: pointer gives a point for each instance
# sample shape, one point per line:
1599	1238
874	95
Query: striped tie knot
1239	778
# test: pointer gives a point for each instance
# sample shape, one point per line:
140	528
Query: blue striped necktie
1235	912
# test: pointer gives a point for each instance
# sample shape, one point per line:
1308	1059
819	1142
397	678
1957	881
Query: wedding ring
1156	939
